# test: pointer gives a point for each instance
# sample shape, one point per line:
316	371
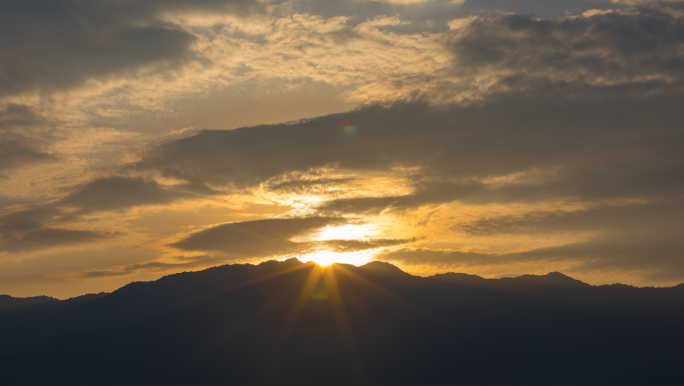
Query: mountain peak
558	275
7	301
552	278
381	266
288	262
459	277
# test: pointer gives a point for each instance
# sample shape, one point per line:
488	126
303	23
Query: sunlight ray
237	286
294	316
376	287
343	320
394	297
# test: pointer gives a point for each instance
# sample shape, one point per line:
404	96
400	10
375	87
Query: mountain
7	302
295	323
21	314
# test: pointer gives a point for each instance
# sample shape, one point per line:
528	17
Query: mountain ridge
294	322
8	301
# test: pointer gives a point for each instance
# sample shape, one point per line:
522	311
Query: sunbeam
326	257
294	316
394	297
257	280
342	318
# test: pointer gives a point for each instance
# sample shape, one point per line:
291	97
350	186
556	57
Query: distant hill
20	314
296	323
12	304
7	302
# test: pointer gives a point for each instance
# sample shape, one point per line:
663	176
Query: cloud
581	111
562	126
28	230
647	259
418	15
651	221
641	237
40	226
596	55
18	150
152	266
256	238
342	246
277	237
256	249
516	151
117	192
17	146
48	46
543	9
319	185
42	238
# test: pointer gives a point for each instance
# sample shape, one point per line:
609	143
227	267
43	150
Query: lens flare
348	127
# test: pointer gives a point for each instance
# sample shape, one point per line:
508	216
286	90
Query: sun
346	232
324	255
327	257
324	258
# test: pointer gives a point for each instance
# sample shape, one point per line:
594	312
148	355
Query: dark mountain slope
8	302
18	312
291	322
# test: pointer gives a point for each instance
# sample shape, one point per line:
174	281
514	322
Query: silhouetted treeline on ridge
290	322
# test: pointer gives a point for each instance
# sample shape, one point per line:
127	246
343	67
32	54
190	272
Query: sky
492	137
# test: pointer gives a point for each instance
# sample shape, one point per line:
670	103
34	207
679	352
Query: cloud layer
64	44
486	136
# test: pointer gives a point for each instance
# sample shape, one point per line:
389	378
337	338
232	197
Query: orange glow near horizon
325	257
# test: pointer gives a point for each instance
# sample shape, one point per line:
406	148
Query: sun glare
346	232
325	257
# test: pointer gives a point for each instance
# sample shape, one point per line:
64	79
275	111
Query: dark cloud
655	259
431	15
28	230
581	109
153	266
41	238
29	219
365	205
271	232
17	146
455	259
624	148
648	220
54	45
606	54
320	185
263	238
645	237
18	150
117	192
342	246
40	226
592	101
100	195
544	9
256	238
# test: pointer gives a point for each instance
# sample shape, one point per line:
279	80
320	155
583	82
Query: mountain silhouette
7	302
295	323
